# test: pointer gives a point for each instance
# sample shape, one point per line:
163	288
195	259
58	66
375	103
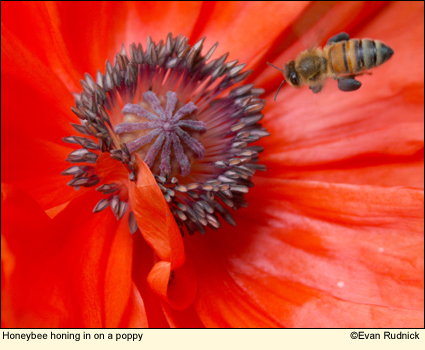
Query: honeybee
341	59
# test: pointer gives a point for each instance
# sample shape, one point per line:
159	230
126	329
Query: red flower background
333	236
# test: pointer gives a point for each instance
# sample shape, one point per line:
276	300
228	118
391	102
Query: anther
196	145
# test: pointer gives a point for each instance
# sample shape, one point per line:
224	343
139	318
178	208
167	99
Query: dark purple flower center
167	128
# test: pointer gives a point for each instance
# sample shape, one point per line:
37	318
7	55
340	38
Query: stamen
102	205
163	104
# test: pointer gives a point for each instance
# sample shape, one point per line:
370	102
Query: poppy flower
171	138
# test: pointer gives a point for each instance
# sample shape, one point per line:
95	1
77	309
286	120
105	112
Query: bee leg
316	89
339	37
362	73
348	84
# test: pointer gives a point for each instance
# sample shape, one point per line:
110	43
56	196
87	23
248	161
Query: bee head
291	75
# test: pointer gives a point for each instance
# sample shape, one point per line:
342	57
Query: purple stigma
166	127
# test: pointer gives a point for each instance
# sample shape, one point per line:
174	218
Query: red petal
160	231
22	252
125	22
56	210
407	140
182	287
158	19
315	255
34	119
142	264
249	34
135	314
392	171
110	170
179	289
74	274
17	205
154	218
37	26
187	318
118	277
159	278
93	249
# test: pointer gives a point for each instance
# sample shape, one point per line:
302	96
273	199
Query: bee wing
310	28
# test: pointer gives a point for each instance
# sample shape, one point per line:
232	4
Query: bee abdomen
357	55
372	53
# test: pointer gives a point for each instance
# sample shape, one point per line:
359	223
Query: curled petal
154	218
177	287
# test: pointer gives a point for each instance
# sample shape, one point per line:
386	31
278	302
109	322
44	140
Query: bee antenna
275	67
279	89
281	82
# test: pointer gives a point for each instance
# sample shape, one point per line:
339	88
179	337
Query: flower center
169	105
160	129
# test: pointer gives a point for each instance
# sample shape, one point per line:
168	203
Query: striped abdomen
356	55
